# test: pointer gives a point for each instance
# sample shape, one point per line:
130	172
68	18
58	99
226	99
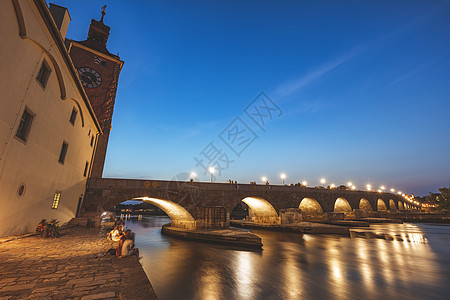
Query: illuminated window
24	125
62	155
43	74
73	116
56	199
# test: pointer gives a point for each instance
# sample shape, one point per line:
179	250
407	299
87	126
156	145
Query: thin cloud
419	70
287	88
290	87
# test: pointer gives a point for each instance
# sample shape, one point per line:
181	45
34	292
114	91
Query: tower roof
98	35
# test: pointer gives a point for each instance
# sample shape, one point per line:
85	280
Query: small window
73	116
62	155
43	74
24	125
86	166
92	140
56	199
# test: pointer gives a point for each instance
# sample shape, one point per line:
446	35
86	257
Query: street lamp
264	179
193	175
369	187
353	187
349	184
332	185
322	181
392	190
283	176
382	188
212	170
304	183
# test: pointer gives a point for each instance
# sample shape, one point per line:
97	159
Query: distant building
49	130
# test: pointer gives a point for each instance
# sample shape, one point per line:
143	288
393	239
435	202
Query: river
414	265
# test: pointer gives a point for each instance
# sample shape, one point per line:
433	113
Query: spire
103	13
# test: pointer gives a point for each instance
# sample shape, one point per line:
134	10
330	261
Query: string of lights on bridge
350	185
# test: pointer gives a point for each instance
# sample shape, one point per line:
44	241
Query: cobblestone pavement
72	267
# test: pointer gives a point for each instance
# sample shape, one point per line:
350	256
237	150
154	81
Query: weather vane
103	12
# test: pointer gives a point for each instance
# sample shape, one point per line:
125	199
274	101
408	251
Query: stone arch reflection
310	206
260	210
381	206
342	206
364	204
180	217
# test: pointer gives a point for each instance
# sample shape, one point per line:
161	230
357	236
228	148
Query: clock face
89	77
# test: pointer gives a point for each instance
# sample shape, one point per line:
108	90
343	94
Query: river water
413	265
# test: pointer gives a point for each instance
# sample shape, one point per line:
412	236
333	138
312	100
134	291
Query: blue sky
363	88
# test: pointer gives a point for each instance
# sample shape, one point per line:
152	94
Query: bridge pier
211	217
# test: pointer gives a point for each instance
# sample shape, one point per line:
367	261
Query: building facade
48	127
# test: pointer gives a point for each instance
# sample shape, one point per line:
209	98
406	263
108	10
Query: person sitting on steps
126	245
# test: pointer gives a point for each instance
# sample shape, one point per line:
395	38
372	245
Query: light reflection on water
413	263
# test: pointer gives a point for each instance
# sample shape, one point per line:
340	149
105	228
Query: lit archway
341	205
178	214
392	204
310	206
381	206
364	204
400	205
260	207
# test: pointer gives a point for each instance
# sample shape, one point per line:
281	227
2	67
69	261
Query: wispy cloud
287	88
416	71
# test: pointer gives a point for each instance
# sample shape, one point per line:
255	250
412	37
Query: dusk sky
356	90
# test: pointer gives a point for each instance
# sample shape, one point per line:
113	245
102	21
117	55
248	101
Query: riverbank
72	267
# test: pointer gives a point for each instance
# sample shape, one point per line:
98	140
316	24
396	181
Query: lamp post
212	170
264	179
193	175
304	182
283	176
322	181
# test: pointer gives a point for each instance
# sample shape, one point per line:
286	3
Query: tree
444	198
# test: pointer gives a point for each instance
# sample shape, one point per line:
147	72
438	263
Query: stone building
49	129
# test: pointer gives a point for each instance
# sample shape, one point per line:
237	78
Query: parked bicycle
53	231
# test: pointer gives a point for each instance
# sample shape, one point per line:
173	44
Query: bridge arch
310	206
392	204
381	206
341	205
261	210
180	217
400	205
364	204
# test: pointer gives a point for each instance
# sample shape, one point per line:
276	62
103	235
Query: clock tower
99	73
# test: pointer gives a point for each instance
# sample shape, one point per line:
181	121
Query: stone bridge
201	204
